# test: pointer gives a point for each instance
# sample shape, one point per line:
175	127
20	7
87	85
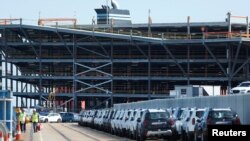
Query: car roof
246	82
221	109
156	110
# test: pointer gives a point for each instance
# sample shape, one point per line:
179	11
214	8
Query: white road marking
41	137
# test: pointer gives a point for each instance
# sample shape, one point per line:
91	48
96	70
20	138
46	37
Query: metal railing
159	35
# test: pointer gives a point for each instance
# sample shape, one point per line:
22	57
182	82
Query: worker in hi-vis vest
35	118
22	117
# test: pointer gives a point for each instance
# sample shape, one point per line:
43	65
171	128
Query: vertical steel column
247	20
188	65
112	75
74	74
11	80
34	102
22	90
17	88
149	71
40	73
229	22
247	66
6	59
22	104
229	67
26	87
30	102
188	27
17	101
26	102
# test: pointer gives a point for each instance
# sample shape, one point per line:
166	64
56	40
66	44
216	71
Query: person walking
35	118
22	120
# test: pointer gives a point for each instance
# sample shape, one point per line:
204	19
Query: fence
239	103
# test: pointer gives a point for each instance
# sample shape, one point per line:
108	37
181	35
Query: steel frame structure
97	66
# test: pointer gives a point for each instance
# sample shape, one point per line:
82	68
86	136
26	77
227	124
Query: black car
154	124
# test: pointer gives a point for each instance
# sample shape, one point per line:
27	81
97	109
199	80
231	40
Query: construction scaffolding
123	64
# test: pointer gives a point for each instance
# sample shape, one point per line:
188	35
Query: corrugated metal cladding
238	103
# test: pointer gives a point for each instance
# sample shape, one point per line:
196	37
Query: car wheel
203	137
59	120
134	135
137	137
142	138
195	136
184	136
46	120
131	135
190	136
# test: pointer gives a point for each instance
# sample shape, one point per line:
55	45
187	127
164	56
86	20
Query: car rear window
199	114
159	115
221	114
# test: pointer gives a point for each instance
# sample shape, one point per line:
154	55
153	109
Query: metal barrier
239	103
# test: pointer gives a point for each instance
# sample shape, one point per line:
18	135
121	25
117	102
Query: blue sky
161	10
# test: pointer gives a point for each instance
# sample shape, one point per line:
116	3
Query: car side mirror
132	118
188	119
126	118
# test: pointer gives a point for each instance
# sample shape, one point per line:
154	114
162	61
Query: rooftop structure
113	16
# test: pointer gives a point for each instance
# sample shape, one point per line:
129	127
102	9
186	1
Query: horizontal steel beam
70	95
124	78
118	60
61	44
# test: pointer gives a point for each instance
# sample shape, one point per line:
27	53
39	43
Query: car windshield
221	114
159	115
44	114
244	85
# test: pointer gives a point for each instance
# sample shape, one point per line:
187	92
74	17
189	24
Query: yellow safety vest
35	117
21	116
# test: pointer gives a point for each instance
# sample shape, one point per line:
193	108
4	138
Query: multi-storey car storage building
121	62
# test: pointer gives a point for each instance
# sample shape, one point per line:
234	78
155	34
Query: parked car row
191	123
136	124
171	124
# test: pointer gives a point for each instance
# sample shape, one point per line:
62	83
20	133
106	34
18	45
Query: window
244	84
221	114
159	115
199	114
